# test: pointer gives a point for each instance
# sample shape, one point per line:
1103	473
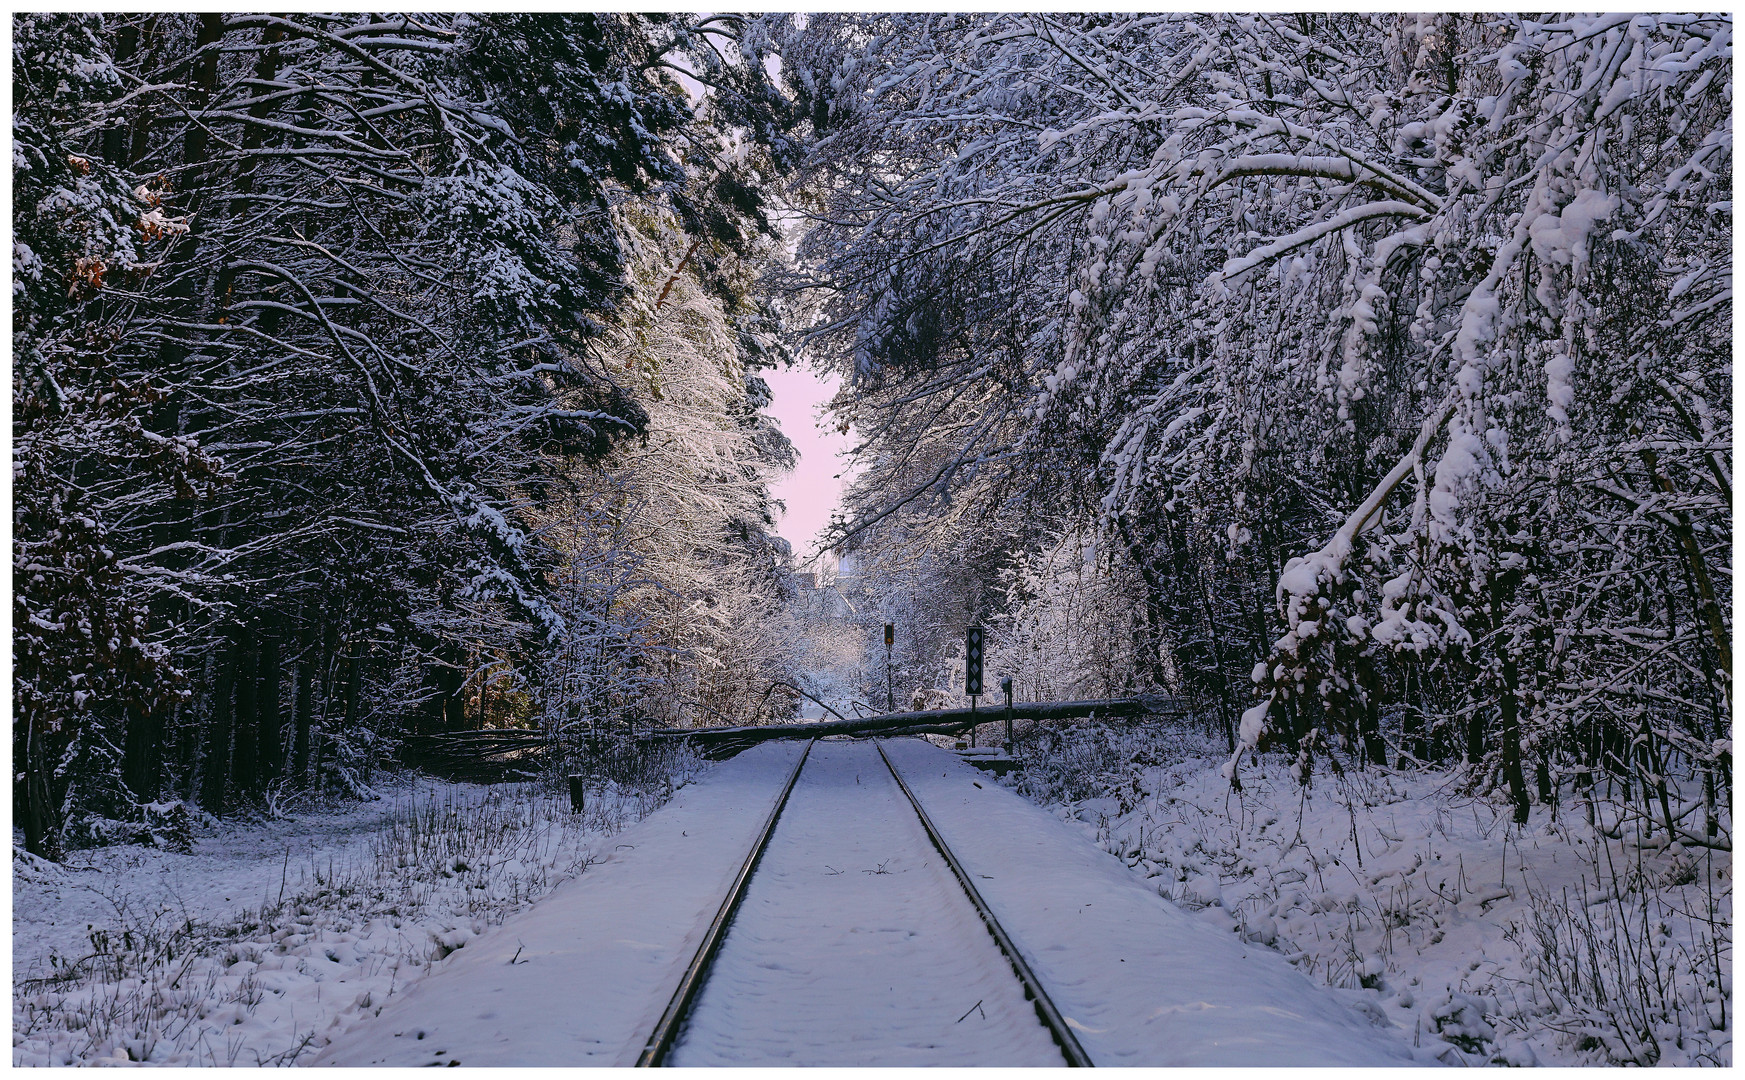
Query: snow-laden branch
1236	269
1307	577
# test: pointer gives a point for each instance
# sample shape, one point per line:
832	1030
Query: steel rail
654	1052
1045	1011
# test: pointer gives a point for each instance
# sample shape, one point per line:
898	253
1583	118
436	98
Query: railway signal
890	693
972	661
1006	688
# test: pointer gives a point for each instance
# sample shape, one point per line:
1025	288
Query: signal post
972	670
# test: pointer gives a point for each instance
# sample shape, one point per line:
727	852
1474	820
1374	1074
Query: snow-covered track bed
854	942
1140	980
858	939
581	977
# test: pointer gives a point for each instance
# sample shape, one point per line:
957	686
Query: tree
86	667
1301	312
339	287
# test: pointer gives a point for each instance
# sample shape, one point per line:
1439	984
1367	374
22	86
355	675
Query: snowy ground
249	948
1486	943
855	945
1421	926
1140	981
583	977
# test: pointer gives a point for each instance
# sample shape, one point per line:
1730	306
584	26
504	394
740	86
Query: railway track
869	966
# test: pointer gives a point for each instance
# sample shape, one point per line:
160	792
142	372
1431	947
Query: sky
812	490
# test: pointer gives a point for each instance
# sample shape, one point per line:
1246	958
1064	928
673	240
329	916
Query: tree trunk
1510	735
598	708
181	743
1502	591
1221	684
1711	820
42	834
1709	608
139	132
245	754
268	703
220	729
1155	601
1654	776
330	676
195	145
266	70
454	700
142	752
1617	755
1412	745
1475	737
115	139
1369	720
354	689
194	175
1719	729
303	699
354	677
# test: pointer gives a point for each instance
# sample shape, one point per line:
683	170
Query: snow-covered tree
1375	340
691	497
88	674
311	322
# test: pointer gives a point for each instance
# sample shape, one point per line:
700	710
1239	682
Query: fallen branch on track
933	722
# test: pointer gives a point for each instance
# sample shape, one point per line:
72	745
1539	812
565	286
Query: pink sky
812	490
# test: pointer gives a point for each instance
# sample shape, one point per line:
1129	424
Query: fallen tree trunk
487	756
937	721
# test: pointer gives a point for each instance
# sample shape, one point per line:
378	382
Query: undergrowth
1499	943
158	985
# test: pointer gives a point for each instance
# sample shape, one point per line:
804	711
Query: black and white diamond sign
972	661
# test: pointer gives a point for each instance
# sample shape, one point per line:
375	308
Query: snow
1253	722
1597	140
54	908
1559	391
855	946
251	946
1434	921
1140	980
1458	462
1562	239
1235	270
1420	903
583	977
850	898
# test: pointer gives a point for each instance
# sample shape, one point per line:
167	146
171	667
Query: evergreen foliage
313	325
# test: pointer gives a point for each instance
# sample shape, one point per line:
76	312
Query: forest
378	377
1363	380
394	495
